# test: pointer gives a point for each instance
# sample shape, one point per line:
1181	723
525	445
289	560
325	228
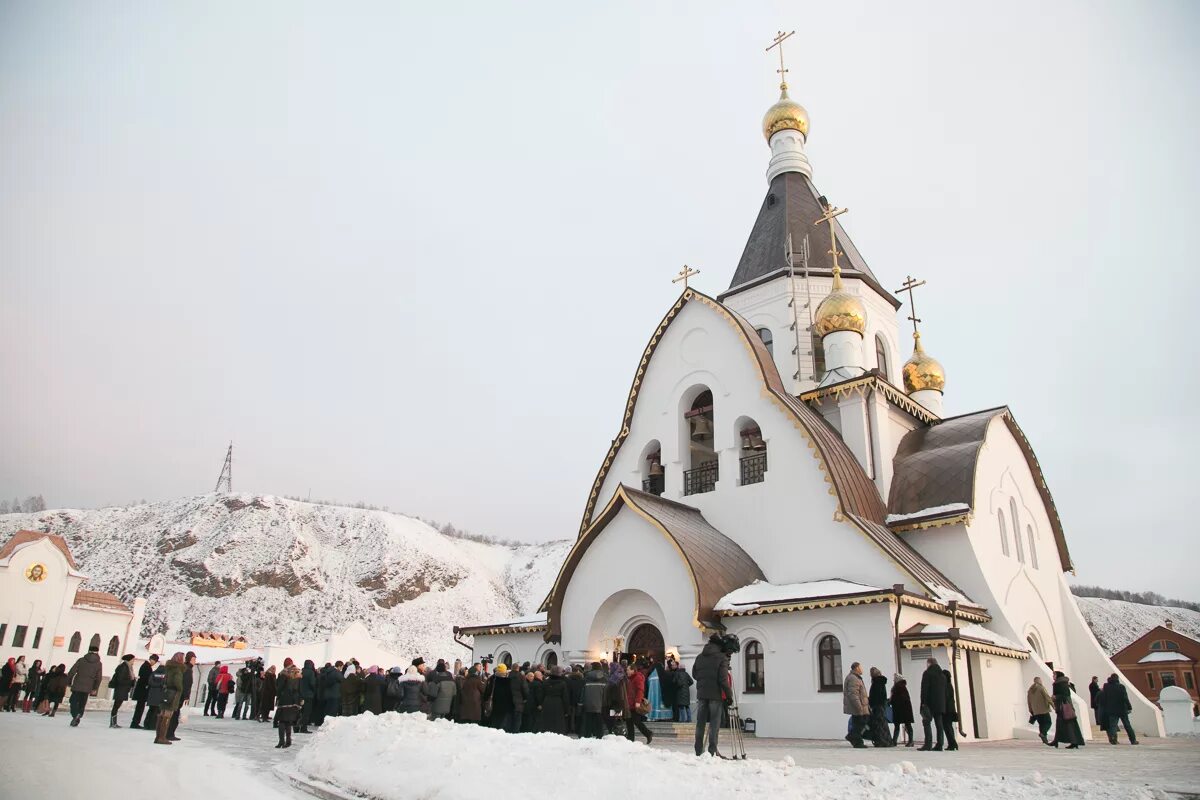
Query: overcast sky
411	253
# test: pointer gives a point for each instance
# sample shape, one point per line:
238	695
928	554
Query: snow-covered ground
281	571
1116	623
398	757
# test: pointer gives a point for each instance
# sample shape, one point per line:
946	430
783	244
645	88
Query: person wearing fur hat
287	701
411	683
498	696
189	663
902	710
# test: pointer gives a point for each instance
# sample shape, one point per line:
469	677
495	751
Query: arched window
755	672
1032	547
505	659
818	350
1003	533
1016	523
881	355
1156	645
753	455
550	659
1172	645
829	653
653	474
94	644
114	644
702	455
76	641
1034	645
767	340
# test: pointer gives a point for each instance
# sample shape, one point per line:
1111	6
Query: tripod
736	734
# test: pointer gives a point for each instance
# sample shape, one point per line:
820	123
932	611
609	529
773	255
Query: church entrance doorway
646	642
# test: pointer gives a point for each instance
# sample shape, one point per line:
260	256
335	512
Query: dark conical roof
791	206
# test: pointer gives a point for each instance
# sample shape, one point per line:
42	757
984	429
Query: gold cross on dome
684	274
831	211
778	41
910	284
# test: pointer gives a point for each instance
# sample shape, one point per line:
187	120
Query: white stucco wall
521	646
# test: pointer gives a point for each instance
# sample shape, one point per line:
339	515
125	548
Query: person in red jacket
223	686
635	687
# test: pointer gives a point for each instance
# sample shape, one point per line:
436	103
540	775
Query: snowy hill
282	571
1116	623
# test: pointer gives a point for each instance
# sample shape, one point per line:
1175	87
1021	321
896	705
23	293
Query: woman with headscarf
411	682
902	710
16	680
372	690
266	698
287	702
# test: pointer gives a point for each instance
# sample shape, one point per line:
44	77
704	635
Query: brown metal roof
716	563
935	466
857	497
99	599
22	537
791	207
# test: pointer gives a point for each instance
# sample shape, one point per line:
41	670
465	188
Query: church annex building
783	475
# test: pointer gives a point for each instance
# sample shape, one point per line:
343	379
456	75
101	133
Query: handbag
642	708
1068	711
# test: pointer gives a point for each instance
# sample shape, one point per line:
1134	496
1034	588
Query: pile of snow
281	571
933	511
402	756
1118	623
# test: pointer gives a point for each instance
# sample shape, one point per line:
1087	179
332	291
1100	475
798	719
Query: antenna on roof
226	476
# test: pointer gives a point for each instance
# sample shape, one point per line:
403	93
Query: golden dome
840	311
785	114
923	371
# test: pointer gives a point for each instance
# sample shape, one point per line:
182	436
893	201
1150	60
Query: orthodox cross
831	212
684	274
778	41
909	284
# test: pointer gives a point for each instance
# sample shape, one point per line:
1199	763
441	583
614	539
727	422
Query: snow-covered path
47	758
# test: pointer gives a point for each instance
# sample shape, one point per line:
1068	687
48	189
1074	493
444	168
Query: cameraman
711	672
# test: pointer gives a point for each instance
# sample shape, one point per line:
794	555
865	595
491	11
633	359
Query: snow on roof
1161	656
204	655
932	511
761	592
528	621
974	631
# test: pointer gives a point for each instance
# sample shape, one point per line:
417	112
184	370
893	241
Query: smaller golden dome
785	114
923	371
840	311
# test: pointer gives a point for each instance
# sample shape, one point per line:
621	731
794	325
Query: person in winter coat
393	692
470	698
711	672
412	682
951	715
373	685
933	703
591	703
440	690
33	685
142	688
223	687
121	683
266	695
56	688
185	695
1040	702
1094	701
1116	709
635	687
519	690
6	673
877	699
308	693
210	697
497	698
1066	721
681	683
241	692
331	689
287	701
84	678
172	696
351	691
17	672
552	718
575	683
902	711
855	704
533	703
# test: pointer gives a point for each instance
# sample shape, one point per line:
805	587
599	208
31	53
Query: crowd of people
584	700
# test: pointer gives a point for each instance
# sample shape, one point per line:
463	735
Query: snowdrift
404	756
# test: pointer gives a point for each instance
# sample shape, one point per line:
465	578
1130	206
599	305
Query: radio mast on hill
226	477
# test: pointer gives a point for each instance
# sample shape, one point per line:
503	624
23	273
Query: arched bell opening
700	466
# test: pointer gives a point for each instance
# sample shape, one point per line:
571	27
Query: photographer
711	672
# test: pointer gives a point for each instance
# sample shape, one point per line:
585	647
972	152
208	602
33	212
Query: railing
701	479
655	484
754	468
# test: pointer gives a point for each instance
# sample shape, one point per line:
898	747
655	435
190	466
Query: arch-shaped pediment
716	564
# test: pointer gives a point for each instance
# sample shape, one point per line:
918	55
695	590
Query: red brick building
1161	657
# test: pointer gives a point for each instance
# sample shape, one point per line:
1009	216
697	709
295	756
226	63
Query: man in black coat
141	689
933	703
1116	709
711	672
185	696
210	697
120	682
308	692
951	715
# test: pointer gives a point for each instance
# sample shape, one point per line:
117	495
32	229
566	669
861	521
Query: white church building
782	474
46	613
